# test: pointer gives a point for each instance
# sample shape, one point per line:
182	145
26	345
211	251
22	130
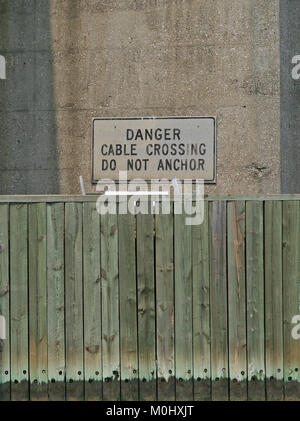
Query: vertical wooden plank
38	359
273	300
146	307
291	302
255	300
19	302
201	322
237	300
110	308
4	304
74	301
92	303
183	309
218	301
56	301
128	308
165	307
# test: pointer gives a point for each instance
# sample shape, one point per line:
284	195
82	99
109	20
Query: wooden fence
145	307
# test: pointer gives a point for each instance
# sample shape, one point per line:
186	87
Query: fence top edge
93	198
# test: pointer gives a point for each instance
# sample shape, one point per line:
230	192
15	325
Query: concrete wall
28	161
290	94
113	58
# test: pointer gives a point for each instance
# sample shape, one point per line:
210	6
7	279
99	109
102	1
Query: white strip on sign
2	328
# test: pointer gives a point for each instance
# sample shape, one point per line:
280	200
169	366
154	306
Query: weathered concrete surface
170	58
112	58
27	110
290	89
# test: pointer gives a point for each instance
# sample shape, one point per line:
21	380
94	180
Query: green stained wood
218	301
146	307
161	300
183	309
291	301
201	322
38	335
255	300
92	303
164	262
56	301
74	301
19	302
236	213
110	308
128	308
273	300
4	304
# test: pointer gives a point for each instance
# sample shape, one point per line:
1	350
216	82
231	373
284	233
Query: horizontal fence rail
145	307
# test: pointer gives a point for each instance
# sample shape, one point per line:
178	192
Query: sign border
214	179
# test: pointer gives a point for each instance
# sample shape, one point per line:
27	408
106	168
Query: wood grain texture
110	308
236	215
183	309
164	260
291	301
4	303
56	301
93	198
255	300
92	303
218	301
38	335
124	307
128	308
201	307
74	302
19	302
273	301
146	307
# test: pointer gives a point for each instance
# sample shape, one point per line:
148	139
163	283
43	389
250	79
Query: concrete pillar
28	160
290	96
